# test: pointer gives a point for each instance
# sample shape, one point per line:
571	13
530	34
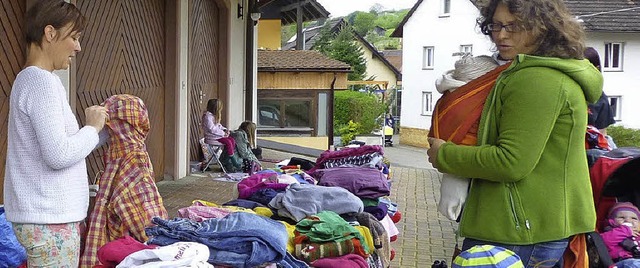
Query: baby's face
627	217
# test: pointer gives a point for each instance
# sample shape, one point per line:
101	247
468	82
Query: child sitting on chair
213	130
621	235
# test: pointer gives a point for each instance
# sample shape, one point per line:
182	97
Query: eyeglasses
510	28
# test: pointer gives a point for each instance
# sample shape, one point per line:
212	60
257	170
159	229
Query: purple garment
613	237
250	185
346	261
378	211
362	182
345	152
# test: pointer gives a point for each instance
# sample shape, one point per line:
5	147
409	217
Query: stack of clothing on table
339	215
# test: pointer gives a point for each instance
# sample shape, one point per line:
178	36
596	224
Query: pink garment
200	213
250	185
229	144
613	237
346	261
112	253
213	130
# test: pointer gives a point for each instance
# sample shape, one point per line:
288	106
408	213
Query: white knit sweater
46	176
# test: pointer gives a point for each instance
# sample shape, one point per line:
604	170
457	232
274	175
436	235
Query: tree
342	47
363	22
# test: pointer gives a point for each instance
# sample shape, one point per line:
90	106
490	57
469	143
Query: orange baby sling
456	115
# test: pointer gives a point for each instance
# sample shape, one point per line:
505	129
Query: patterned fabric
50	245
355	160
344	153
456	115
309	251
487	256
127	199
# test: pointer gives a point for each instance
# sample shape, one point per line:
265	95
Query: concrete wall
414	137
237	62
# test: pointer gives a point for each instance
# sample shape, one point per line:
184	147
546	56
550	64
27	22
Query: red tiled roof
298	60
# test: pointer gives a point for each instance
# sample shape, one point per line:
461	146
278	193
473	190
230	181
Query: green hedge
624	137
358	107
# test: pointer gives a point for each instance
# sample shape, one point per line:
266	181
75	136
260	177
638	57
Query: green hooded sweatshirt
531	179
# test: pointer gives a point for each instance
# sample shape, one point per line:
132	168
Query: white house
613	29
432	32
435	29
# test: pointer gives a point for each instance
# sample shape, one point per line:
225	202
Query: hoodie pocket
515	205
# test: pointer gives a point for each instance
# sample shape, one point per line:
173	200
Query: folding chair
214	151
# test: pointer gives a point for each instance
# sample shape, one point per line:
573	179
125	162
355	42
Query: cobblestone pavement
425	235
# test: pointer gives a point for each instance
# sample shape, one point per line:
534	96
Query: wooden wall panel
123	51
204	72
12	58
297	80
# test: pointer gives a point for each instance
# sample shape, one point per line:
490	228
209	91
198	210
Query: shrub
361	108
349	132
624	137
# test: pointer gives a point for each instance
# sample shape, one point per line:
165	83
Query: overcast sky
339	8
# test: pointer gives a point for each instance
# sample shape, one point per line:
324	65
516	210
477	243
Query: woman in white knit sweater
46	187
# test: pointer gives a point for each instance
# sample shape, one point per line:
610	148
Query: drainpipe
249	71
330	119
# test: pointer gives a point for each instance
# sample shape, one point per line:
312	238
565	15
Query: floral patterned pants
50	245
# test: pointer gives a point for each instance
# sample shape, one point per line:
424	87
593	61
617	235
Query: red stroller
614	178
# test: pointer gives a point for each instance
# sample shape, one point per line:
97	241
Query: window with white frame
616	107
612	57
427	57
427	102
446	7
464	49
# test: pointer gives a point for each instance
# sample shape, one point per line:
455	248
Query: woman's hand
432	152
96	116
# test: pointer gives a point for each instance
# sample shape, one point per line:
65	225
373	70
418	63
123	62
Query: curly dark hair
558	33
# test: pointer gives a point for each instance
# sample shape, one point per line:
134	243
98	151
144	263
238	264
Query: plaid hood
128	124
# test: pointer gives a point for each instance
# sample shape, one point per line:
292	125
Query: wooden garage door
12	57
203	65
123	51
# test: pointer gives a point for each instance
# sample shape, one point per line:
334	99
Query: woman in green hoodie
530	191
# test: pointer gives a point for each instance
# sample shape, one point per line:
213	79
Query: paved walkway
425	235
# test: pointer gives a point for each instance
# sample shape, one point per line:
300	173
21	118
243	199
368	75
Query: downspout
249	72
333	86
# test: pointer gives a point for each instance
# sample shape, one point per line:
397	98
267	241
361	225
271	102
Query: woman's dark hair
215	107
592	55
56	13
558	33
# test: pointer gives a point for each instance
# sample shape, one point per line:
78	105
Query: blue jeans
628	263
239	240
547	254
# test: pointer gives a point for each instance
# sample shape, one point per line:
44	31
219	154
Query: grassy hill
375	26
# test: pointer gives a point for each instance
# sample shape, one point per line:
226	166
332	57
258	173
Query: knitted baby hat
487	256
622	206
466	69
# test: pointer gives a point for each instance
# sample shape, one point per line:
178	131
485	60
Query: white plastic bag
180	254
